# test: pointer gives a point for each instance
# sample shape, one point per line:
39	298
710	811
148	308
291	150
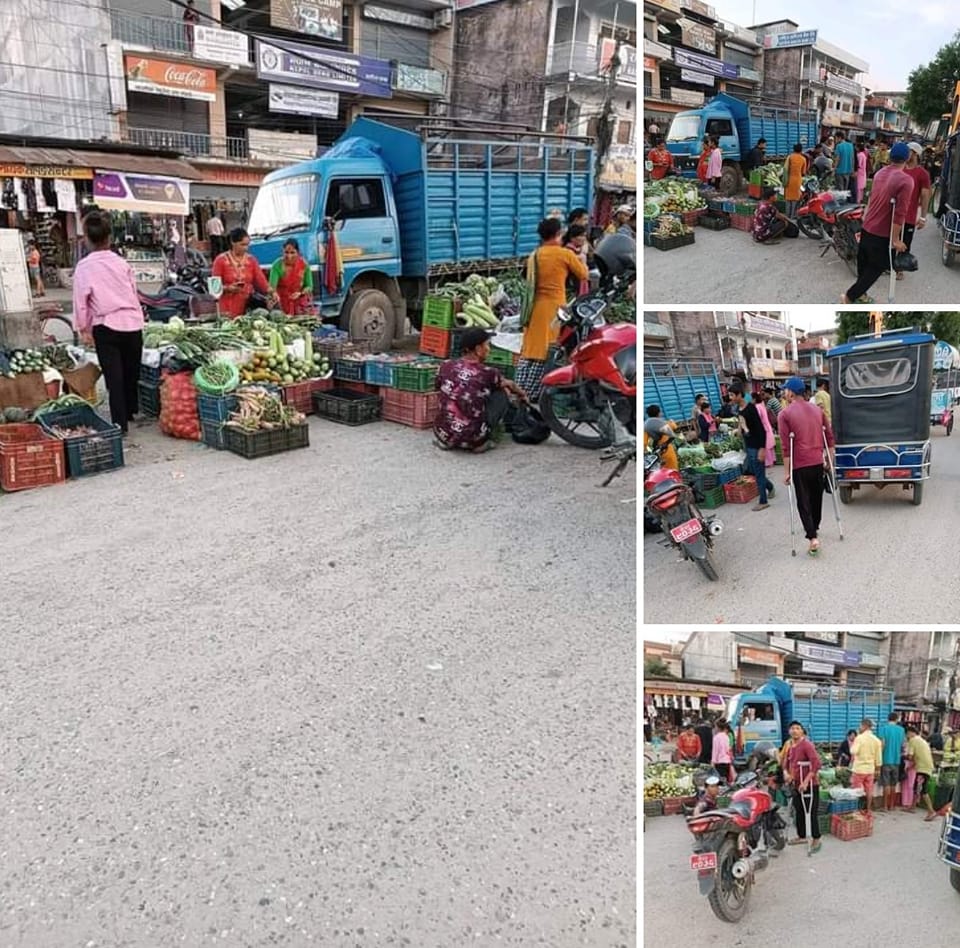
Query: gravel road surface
361	694
885	571
726	268
888	889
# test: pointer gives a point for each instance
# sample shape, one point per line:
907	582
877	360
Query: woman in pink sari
769	454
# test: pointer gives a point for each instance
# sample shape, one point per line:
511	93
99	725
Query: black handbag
905	262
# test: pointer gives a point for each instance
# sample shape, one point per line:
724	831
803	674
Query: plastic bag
728	460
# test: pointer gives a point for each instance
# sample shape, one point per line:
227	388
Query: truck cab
688	129
355	198
755	718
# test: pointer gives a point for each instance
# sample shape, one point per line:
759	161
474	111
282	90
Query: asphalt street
890	567
366	693
726	268
887	889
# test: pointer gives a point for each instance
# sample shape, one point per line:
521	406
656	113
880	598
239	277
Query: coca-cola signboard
160	77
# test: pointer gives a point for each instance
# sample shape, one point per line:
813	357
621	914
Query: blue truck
826	711
738	126
412	209
674	384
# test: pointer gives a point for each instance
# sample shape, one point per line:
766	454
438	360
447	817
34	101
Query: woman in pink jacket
722	755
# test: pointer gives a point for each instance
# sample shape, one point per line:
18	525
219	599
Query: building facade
884	114
925	674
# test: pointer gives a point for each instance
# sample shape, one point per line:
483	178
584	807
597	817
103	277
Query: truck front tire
370	315
730	181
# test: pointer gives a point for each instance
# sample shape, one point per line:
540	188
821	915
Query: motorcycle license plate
702	861
686	531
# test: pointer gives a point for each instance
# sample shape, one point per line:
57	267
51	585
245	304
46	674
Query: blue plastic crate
380	373
727	476
215	409
87	454
843	806
150	374
149	398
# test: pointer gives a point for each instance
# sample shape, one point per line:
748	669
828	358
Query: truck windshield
684	128
284	205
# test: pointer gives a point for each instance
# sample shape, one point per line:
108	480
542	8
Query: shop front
224	192
667	704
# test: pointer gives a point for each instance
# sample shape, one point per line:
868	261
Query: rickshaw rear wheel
947	254
918	493
846	495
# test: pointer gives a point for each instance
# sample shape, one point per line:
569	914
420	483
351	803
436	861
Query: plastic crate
30	457
213	434
438	311
754	190
415	409
690	218
741	492
726	477
259	444
671	243
299	395
149	398
335	349
499	357
361	387
714	222
347	407
847	826
420	377
150	374
824	820
746	207
87	454
843	806
510	371
672	806
456	339
382	372
435	342
215	409
713	498
349	370
703	481
652	808
320	385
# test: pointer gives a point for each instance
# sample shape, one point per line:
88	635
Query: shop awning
68	158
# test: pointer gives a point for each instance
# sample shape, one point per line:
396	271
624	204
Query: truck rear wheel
370	315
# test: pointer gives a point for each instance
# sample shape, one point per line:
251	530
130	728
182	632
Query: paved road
728	268
888	568
364	694
888	889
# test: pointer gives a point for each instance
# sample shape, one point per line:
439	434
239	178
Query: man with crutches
805	436
882	225
800	773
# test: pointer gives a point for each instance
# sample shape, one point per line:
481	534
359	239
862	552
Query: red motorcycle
670	503
817	213
733	843
590	401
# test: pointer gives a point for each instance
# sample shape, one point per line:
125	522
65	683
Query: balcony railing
188	143
152	32
678	96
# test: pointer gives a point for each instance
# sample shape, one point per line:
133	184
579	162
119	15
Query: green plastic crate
743	207
824	821
499	356
419	377
756	177
438	312
713	498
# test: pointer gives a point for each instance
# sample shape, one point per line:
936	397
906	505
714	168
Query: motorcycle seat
740	808
846	211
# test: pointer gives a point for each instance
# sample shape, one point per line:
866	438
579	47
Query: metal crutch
793	535
807	804
832	480
891	293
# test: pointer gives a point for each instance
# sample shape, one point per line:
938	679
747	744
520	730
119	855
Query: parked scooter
817	212
731	844
184	295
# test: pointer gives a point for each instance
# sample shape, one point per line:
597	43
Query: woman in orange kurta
795	165
555	264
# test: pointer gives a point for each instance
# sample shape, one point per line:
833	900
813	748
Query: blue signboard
782	40
705	64
321	68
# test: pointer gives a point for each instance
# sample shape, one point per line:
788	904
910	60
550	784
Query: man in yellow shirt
822	398
867	753
919	751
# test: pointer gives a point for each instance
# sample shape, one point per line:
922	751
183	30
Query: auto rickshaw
881	385
946	363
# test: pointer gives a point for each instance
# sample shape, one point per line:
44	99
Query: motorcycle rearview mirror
564	315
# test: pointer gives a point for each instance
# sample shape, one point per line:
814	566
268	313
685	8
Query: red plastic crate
741	491
435	342
356	387
672	806
418	410
321	385
29	457
847	826
299	395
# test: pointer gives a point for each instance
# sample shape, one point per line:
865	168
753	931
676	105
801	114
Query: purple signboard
708	64
301	65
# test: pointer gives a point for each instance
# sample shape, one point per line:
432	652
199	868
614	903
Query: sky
893	36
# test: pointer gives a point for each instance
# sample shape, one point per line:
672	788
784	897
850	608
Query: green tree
656	668
944	326
930	87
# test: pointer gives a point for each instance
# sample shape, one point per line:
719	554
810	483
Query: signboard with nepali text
301	65
784	40
320	18
221	46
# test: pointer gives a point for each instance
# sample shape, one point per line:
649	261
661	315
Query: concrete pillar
218	123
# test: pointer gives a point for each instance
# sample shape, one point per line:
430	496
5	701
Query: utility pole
606	119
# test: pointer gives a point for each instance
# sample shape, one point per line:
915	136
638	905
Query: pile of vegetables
78	432
14	416
178	407
671	194
193	345
476	312
663	780
260	410
217	378
672	227
692	455
771	176
24	361
65	401
274	364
